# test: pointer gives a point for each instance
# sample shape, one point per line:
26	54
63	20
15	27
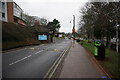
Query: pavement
77	64
32	61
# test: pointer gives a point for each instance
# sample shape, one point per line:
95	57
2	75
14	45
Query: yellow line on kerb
50	76
53	65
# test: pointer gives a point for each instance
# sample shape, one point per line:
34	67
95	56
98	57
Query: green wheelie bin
99	52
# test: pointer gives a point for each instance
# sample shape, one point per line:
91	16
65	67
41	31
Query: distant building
60	34
11	12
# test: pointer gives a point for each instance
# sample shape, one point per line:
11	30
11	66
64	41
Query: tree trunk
108	44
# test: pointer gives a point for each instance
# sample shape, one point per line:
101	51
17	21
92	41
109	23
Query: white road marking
39	51
29	55
20	60
42	50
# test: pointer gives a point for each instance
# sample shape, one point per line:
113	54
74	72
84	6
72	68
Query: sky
62	10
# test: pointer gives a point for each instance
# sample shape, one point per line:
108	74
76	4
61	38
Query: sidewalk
77	64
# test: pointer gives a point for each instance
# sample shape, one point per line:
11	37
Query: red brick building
11	12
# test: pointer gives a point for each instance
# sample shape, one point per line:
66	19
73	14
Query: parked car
69	37
75	39
78	40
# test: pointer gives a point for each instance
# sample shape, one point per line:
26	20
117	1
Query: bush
14	35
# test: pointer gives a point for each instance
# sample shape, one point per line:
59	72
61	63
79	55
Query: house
11	12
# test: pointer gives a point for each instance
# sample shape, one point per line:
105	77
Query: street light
73	21
73	30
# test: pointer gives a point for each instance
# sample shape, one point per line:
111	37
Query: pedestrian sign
73	30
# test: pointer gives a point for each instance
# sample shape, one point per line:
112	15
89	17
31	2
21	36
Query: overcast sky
62	10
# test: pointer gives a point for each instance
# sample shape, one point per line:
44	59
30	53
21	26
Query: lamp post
73	30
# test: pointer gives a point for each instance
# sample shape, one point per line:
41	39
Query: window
3	5
3	15
15	5
15	20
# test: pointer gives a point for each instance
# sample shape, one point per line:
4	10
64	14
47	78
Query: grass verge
112	58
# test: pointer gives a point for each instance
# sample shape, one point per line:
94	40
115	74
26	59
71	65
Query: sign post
73	30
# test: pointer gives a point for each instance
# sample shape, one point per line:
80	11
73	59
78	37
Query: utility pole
73	21
73	31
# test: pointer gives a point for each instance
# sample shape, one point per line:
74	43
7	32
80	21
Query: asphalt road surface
33	61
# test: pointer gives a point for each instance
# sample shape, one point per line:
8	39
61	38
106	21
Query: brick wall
10	11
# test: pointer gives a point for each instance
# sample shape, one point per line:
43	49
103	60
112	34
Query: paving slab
77	64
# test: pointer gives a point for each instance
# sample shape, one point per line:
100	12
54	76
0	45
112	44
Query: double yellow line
54	66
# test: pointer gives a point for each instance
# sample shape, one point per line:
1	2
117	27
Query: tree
30	20
42	21
54	26
117	10
99	19
68	34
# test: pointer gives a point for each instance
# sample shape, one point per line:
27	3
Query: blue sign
42	37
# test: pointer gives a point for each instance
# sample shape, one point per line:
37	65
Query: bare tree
99	18
30	20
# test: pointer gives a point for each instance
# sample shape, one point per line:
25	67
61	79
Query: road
33	61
